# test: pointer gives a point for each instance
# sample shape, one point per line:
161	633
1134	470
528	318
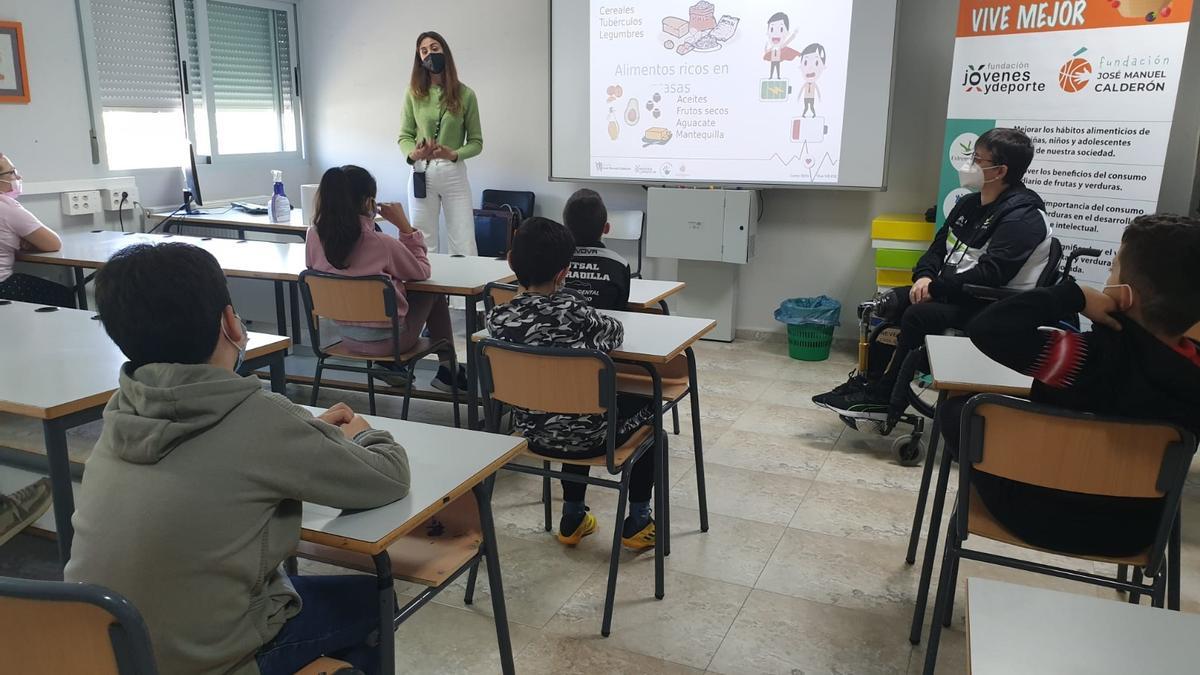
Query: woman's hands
428	150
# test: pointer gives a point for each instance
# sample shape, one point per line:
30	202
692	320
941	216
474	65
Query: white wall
48	138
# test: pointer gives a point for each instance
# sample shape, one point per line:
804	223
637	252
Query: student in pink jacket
346	242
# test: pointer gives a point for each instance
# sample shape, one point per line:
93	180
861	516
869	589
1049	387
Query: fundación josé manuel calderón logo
1076	73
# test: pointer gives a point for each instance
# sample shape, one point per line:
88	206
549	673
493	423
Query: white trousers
446	189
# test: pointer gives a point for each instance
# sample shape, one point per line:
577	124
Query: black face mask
435	63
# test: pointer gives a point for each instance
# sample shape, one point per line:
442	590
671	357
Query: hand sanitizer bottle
279	209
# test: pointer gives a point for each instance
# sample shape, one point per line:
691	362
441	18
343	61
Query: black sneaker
400	376
855	384
865	403
442	381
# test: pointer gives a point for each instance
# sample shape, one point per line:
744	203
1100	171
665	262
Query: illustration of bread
1150	9
675	26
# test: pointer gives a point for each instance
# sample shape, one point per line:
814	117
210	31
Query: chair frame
128	635
1162	565
607	393
672	404
640	247
370	370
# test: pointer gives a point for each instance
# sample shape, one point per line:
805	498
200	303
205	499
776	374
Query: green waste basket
809	343
810	325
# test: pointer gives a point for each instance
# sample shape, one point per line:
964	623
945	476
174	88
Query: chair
677	377
1075	452
520	201
576	382
104	632
362	299
628	226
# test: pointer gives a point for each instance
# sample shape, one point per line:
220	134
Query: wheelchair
877	331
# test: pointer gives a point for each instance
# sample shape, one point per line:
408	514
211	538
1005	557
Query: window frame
214	156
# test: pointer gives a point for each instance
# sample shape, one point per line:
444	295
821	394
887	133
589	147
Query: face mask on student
14	188
435	63
975	176
241	357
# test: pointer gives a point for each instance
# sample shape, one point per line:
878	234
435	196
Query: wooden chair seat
323	666
981	522
338	349
428	555
639	438
633	379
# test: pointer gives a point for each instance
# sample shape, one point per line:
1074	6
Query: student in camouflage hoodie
544	313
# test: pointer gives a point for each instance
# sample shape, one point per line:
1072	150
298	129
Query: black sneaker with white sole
442	381
863	403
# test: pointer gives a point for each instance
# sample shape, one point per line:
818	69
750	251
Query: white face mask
975	177
14	188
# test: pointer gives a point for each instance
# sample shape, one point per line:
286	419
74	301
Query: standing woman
439	133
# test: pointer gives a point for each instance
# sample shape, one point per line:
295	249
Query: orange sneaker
642	539
586	526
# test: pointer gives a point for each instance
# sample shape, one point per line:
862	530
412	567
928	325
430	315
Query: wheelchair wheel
908	452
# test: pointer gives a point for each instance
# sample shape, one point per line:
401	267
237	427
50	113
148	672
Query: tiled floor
802	570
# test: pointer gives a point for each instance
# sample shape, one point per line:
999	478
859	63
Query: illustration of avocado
632	114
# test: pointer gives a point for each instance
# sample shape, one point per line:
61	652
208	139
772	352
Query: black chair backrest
520	200
1053	272
52	627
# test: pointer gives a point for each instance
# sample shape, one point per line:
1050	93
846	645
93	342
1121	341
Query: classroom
593	336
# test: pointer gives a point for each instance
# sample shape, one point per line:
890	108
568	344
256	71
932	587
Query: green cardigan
461	132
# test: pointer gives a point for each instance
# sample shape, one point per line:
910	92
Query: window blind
137	57
242	43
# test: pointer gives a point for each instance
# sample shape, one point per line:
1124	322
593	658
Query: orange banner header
1008	17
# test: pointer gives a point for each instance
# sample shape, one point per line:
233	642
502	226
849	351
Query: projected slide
745	91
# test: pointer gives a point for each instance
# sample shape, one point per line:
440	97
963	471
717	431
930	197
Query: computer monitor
191	182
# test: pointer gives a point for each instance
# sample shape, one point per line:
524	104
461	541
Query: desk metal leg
281	324
935	520
472	375
661	491
294	299
697	439
935	433
80	288
278	374
1174	544
483	496
55	434
387	611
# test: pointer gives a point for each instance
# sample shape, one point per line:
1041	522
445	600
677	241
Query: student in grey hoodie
192	497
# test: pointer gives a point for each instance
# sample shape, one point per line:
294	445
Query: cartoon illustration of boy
812	64
778	38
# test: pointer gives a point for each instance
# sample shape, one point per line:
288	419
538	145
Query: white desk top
268	260
234	217
646	293
445	463
57	363
1018	629
651	338
958	365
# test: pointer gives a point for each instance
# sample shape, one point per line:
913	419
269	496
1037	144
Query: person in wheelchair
998	237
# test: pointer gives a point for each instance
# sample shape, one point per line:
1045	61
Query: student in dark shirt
598	274
1136	362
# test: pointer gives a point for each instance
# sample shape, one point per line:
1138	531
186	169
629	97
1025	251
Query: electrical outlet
111	198
80	203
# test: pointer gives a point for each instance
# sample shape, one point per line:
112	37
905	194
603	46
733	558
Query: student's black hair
162	304
1158	259
779	16
814	48
341	200
1010	147
541	249
585	216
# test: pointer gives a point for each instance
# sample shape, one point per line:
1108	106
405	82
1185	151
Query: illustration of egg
632	114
